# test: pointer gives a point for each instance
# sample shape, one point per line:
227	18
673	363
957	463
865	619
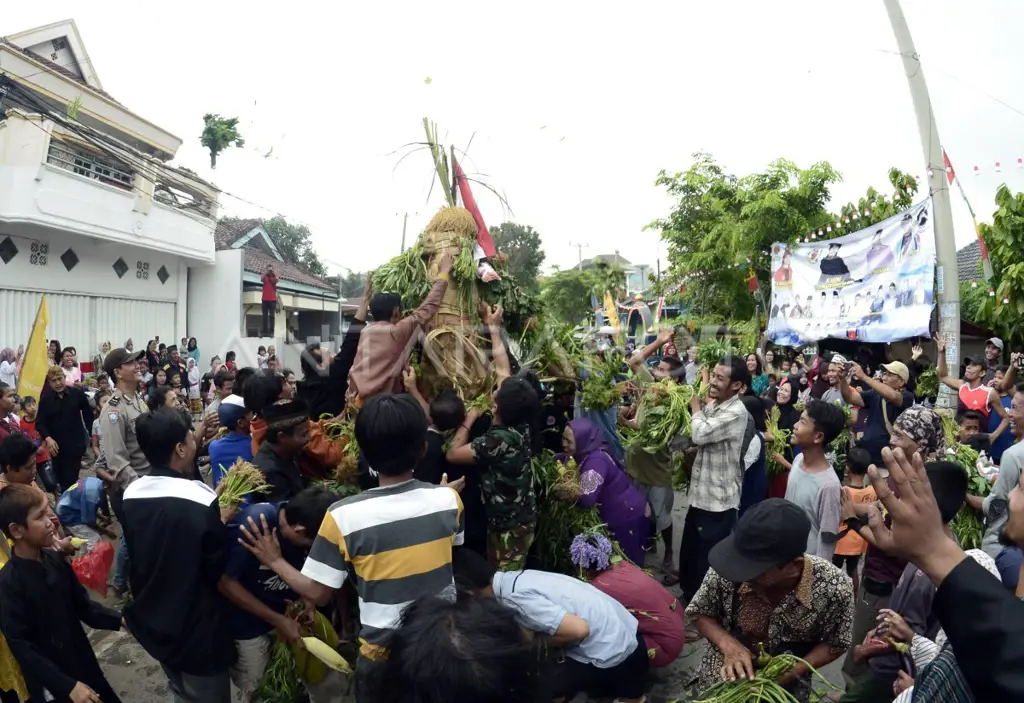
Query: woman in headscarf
785	401
9	367
97	361
195	399
603	483
193	349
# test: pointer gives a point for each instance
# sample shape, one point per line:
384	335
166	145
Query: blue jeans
121	567
1008	563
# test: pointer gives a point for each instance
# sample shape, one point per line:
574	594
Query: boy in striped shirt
394	541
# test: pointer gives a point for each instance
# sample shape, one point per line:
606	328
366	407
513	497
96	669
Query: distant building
308	306
636	274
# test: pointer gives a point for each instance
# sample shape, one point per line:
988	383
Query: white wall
94	273
215	306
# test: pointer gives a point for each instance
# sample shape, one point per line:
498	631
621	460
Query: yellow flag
610	312
35	365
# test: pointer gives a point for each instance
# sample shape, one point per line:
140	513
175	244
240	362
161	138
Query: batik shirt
502	456
818	610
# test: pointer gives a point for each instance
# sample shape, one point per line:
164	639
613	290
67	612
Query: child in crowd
7	425
99	401
29	409
357	538
261	357
502	456
857	488
813	484
970	432
43	605
18	468
236	444
258	596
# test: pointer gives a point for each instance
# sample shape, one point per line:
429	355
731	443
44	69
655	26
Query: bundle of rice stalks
456	361
241	480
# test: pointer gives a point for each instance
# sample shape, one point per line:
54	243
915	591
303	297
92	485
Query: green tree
521	244
353	285
295	242
722	227
1004	312
566	295
219	133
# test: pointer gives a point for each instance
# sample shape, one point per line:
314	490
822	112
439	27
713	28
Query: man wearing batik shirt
763	589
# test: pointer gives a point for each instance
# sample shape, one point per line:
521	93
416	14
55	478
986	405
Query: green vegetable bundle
664	413
779	445
928	384
764	686
407	275
712	351
600	390
968	525
555	352
280	682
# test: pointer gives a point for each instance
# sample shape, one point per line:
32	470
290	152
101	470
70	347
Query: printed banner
874	285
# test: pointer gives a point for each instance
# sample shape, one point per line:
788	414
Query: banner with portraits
874	285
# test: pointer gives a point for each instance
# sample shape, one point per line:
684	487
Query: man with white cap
993	357
237	443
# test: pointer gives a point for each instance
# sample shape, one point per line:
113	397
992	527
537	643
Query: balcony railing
89	164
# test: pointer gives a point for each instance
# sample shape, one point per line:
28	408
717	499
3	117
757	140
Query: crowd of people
431	565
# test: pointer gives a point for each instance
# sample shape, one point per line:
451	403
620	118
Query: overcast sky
574	108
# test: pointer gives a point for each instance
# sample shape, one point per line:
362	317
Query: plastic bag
92	569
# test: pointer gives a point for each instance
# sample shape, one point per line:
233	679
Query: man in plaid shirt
717	475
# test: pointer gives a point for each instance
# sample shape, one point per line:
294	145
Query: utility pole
579	249
405	223
948	282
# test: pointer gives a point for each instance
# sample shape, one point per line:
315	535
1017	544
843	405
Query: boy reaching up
813	483
43	605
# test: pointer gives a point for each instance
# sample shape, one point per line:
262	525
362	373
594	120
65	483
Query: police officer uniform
125	460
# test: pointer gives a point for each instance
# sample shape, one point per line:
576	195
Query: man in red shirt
269	280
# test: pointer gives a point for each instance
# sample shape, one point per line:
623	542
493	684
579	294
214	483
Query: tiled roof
256	261
609	259
229	229
968	262
57	68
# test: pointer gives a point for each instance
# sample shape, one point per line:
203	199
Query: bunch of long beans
665	414
763	687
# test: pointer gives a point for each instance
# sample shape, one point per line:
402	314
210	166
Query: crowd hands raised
451	488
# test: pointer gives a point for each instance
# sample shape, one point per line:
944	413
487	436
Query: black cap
769	534
119	357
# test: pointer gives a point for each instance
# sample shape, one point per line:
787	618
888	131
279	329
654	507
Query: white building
225	300
90	212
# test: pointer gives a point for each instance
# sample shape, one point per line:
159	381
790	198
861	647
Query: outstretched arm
502	365
943	371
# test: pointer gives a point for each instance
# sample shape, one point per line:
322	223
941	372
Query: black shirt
282	474
176	549
67	418
41	612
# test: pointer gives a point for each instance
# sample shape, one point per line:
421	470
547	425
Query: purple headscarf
589	439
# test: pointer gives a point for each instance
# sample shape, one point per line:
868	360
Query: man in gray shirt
604	653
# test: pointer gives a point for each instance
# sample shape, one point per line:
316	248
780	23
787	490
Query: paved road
137	678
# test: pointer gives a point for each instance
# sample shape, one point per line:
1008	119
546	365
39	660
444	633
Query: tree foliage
295	243
1005	241
721	228
353	285
566	295
522	245
219	133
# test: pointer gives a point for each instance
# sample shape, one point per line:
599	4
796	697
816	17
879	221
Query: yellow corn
323	652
